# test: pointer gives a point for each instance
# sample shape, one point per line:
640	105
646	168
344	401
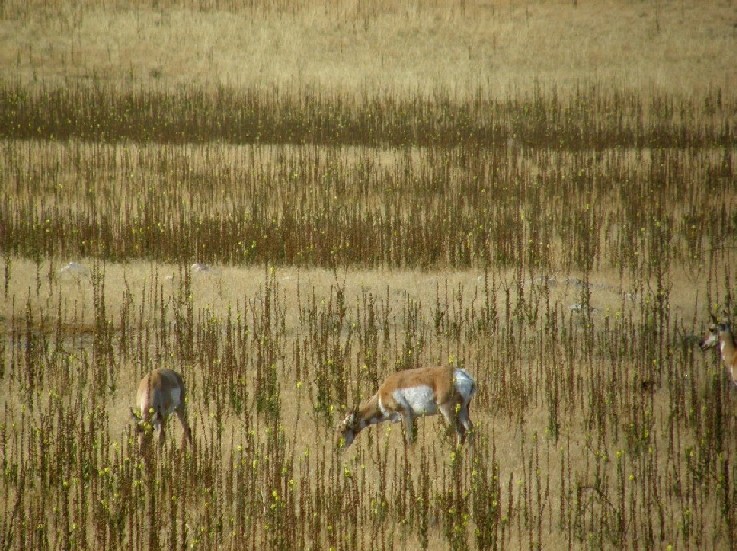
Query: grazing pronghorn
160	393
721	332
414	392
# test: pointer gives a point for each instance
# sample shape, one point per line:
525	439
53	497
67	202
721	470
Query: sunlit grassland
576	409
288	202
597	418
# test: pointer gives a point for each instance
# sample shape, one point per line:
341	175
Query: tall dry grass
286	202
602	426
540	209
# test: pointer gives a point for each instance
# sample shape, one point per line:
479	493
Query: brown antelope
721	332
160	393
414	392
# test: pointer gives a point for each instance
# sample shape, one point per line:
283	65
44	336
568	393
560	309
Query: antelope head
347	430
717	330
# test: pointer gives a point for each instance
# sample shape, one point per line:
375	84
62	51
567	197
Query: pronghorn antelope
721	332
160	393
410	393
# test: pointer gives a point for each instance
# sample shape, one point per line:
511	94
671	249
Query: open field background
287	201
348	46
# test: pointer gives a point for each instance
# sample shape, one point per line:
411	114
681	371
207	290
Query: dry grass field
286	202
409	46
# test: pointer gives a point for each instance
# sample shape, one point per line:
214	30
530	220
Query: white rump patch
176	394
157	400
464	384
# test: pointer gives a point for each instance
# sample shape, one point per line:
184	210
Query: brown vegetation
287	204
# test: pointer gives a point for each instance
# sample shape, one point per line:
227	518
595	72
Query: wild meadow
286	203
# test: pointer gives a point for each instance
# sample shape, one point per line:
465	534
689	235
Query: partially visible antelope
160	393
414	392
721	332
